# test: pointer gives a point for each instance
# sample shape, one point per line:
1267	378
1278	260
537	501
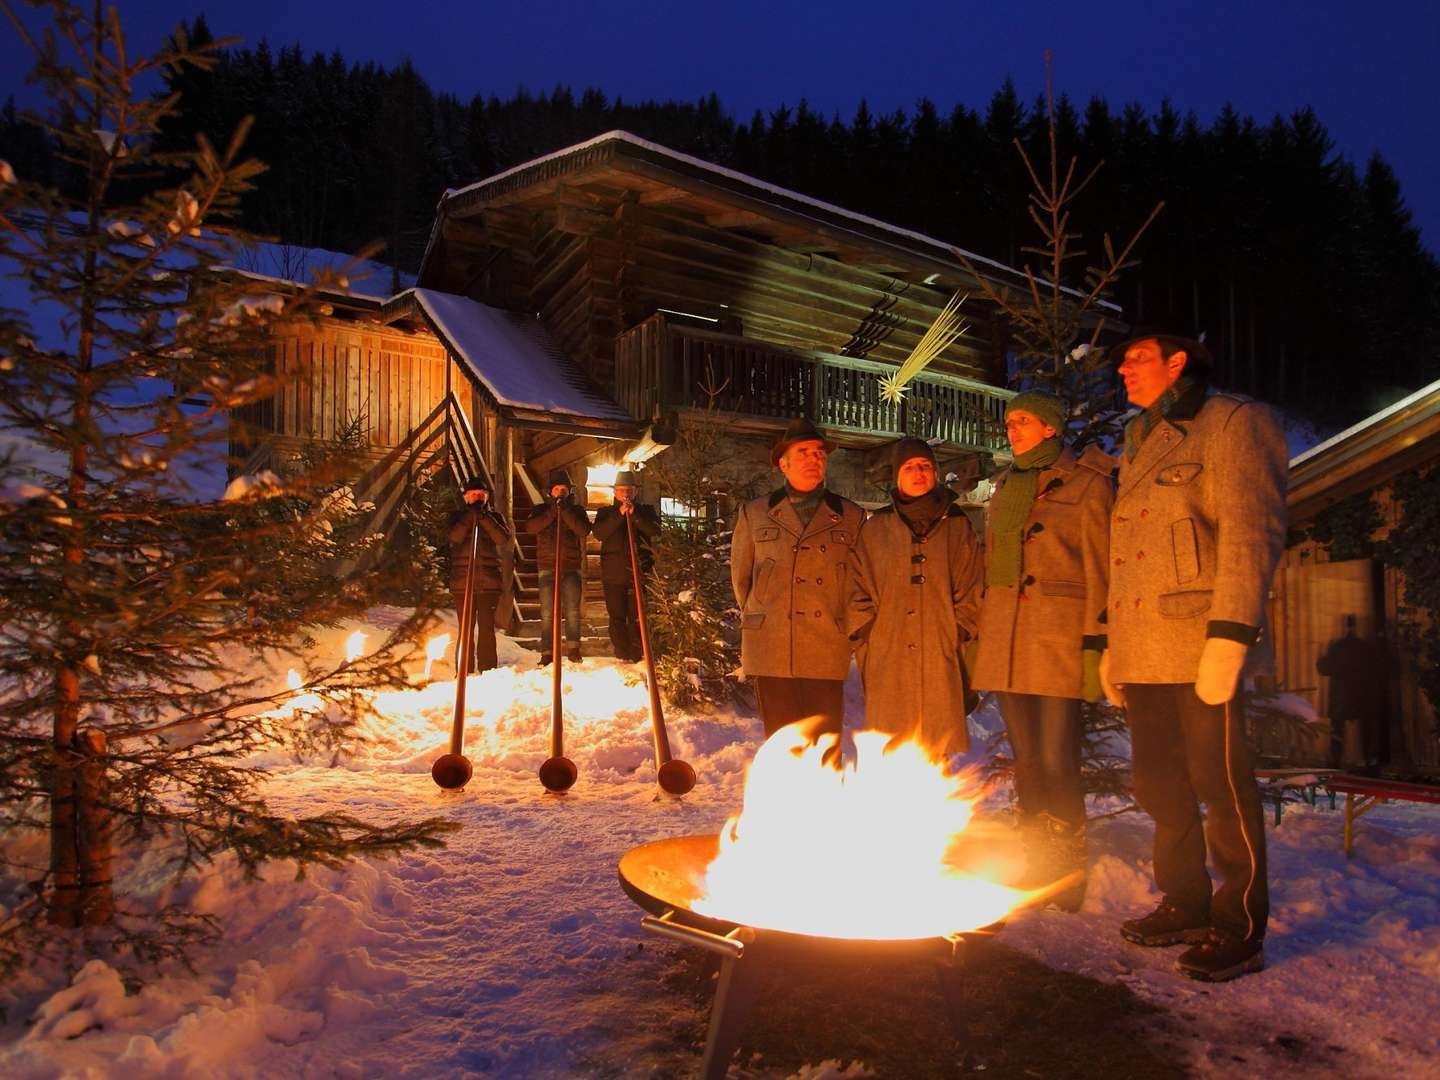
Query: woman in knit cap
914	600
1047	540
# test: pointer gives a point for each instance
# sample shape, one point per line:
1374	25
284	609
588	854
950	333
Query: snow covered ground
514	952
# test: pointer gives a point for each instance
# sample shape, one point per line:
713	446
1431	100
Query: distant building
577	310
1321	584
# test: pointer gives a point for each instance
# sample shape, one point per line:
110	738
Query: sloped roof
1367	454
512	355
671	166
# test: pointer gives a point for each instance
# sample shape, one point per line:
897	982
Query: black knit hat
907	448
478	483
797	431
559	476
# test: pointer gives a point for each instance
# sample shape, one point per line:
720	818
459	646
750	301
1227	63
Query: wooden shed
1321	585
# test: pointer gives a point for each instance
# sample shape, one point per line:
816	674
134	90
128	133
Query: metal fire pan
665	878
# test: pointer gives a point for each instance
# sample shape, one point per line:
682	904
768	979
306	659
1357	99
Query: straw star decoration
946	328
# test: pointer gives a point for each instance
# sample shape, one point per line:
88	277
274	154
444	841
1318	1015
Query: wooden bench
1276	783
1364	793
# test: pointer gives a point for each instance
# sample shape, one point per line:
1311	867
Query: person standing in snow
1047	541
788	565
475	514
575	526
615	571
1197	531
914	601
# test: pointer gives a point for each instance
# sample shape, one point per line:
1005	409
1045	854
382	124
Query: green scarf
805	504
1011	506
1139	429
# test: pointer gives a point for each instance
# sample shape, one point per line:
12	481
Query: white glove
1113	694
1219	673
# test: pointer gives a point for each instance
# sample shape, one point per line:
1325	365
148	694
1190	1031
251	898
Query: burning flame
435	650
355	646
301	702
869	851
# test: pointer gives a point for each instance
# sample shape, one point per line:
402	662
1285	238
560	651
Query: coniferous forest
1301	267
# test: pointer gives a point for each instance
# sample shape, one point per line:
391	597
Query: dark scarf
1178	398
805	504
921	512
1011	506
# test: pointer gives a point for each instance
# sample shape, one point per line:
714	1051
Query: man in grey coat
914	601
1197	531
789	567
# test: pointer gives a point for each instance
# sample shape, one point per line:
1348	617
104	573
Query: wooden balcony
661	367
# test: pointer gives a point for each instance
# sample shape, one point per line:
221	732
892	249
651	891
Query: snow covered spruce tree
691	605
1055	327
135	614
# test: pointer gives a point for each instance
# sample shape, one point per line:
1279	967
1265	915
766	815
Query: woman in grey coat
914	598
1046	545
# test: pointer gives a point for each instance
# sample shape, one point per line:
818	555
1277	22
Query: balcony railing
659	366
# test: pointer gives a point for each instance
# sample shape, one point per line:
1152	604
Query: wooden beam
580	221
663	195
736	219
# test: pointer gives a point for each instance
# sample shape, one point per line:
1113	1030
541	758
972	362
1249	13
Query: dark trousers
569	607
482	657
1044	735
620	613
1184	753
784	701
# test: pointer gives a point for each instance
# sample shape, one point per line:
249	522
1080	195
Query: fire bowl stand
743	949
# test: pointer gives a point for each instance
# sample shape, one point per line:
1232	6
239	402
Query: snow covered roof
1366	454
511	354
821	214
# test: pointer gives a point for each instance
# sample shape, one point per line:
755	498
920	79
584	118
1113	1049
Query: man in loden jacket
1197	531
914	600
615	571
788	565
1047	539
475	515
574	527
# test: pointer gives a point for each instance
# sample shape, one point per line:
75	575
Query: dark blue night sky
1366	68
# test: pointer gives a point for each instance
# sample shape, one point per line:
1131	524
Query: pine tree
691	604
135	607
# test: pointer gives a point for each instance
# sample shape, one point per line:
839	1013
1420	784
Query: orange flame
355	646
869	851
434	651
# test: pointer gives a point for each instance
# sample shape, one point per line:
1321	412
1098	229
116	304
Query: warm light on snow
293	680
355	646
434	651
301	702
863	852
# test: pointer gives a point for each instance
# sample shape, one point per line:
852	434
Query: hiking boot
1166	925
573	655
545	659
1221	957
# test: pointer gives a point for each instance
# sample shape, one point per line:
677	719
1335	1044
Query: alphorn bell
558	772
674	776
453	770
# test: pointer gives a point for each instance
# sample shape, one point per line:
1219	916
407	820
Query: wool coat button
822	547
910	612
799	581
910	646
1119	561
817	614
923	539
819	581
1137	601
1139	554
795	548
1144	513
919	579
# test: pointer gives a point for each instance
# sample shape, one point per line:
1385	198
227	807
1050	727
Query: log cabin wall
596	260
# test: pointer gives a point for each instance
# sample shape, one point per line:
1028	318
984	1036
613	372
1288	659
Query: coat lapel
1158	445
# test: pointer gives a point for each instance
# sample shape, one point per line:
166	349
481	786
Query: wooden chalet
1314	592
574	311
